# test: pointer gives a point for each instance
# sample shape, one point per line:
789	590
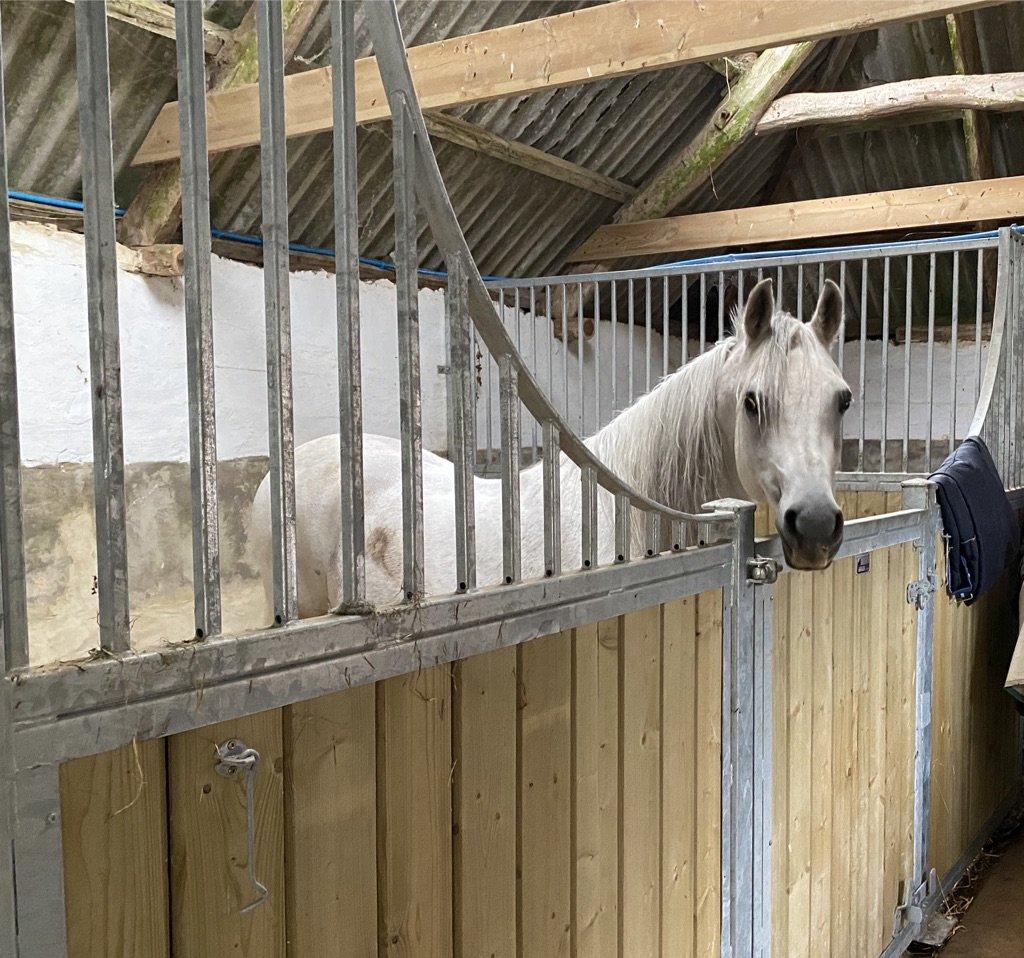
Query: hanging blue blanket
981	529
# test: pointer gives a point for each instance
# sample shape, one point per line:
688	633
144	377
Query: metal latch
762	571
233	758
919	591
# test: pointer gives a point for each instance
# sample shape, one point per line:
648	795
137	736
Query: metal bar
409	348
647	335
274	178
685	300
721	304
930	371
588	537
664	328
598	419
653	534
13	598
954	323
907	350
629	339
552	501
511	542
622	531
198	293
346	245
489	416
800	293
779	286
565	355
703	313
534	434
862	390
615	348
39	859
104	336
978	310
579	359
883	465
463	435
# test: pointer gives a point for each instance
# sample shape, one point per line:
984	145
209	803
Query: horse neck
668	444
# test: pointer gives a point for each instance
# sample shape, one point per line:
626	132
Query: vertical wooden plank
209	853
941	844
596	799
909	714
800	762
780	766
678	777
821	749
114	831
545	728
330	802
709	773
414	814
484	805
641	781
844	743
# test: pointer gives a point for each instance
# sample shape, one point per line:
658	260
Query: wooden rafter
928	95
156	17
595	43
155	213
916	208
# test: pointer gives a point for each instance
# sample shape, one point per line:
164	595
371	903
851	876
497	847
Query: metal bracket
920	590
234	757
762	570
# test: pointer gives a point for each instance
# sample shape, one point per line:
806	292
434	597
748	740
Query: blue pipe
723	258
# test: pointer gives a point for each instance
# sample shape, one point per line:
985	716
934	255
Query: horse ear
758	312
828	314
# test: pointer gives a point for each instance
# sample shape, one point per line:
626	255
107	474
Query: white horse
757	417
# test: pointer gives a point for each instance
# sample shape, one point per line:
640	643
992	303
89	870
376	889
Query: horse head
780	400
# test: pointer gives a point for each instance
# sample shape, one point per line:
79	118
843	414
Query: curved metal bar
996	339
389	47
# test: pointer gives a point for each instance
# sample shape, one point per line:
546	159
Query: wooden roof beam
921	207
156	17
595	43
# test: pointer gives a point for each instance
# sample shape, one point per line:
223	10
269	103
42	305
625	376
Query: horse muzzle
811	535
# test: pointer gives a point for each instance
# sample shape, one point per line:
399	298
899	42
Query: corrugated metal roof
517	222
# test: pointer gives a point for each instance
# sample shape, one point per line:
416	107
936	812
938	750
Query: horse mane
668	444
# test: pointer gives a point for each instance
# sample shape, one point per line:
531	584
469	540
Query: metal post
510	445
552	477
274	176
409	347
920	494
104	336
743	847
346	252
198	291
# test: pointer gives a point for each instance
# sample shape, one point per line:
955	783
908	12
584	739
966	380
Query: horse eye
844	402
750	403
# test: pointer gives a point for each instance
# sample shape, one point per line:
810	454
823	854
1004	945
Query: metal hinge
762	570
920	590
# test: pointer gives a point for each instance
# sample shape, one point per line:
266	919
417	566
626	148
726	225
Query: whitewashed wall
53	360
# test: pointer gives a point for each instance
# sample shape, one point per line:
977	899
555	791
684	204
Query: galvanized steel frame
51	715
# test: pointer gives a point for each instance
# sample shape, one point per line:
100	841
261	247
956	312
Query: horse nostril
837	530
789	521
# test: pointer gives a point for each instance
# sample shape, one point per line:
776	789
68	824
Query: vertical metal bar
565	353
198	291
978	310
738	739
954	321
489	391
739	288
653	534
664	328
579	359
39	860
511	541
588	537
800	293
647	335
885	365
551	344
622	530
862	390
534	433
920	494
841	338
13	599
615	348
930	372
684	297
703	312
552	500
598	420
409	348
104	336
463	436
721	305
778	285
629	340
274	176
907	344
